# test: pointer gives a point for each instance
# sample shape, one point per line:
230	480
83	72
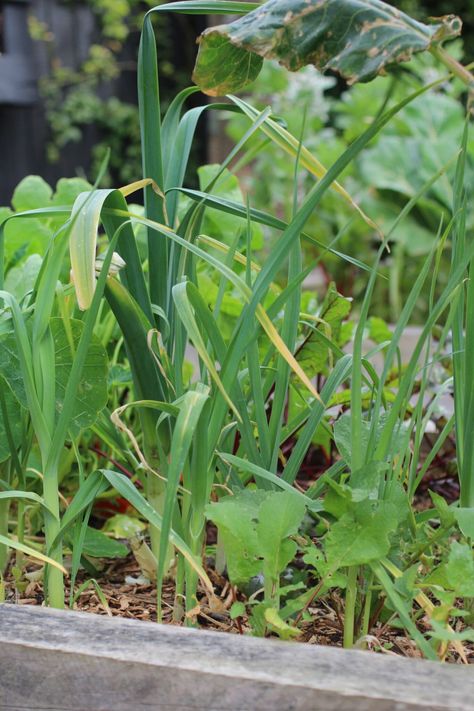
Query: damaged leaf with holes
358	39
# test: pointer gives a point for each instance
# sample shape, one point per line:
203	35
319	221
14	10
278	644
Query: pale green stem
367	606
4	550
454	66
349	611
55	579
220	555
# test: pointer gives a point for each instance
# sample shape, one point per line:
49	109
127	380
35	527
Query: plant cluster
175	362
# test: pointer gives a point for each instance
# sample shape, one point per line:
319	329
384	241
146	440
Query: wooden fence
23	126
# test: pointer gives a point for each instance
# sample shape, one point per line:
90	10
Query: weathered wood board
69	661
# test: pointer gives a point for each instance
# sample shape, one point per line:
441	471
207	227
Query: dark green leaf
356	38
98	545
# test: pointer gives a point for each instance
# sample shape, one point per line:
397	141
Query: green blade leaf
126	489
10	543
355	38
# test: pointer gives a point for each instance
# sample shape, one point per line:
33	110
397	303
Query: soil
121	597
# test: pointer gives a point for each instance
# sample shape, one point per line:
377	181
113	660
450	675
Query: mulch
137	600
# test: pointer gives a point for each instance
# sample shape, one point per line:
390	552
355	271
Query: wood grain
64	661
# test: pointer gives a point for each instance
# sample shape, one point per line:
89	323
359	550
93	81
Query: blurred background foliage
99	95
77	97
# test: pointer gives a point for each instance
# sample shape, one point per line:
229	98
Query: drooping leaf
32	552
356	38
127	489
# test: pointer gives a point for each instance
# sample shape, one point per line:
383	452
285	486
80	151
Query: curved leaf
10	543
355	38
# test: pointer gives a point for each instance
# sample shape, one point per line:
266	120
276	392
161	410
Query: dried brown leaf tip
358	40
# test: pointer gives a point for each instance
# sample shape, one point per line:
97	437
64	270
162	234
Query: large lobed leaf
355	38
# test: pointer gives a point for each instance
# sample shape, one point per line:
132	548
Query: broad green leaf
365	482
465	520
357	39
255	527
343	435
91	394
97	545
10	367
123	526
441	633
332	579
30	193
68	189
279	517
14	413
235	517
379	332
24	236
361	536
237	610
446	514
21	278
223	67
460	569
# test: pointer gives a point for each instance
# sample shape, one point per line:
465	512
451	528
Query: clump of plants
162	355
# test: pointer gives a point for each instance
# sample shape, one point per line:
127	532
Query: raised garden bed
70	661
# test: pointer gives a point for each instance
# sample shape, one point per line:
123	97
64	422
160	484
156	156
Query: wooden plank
17	66
65	661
